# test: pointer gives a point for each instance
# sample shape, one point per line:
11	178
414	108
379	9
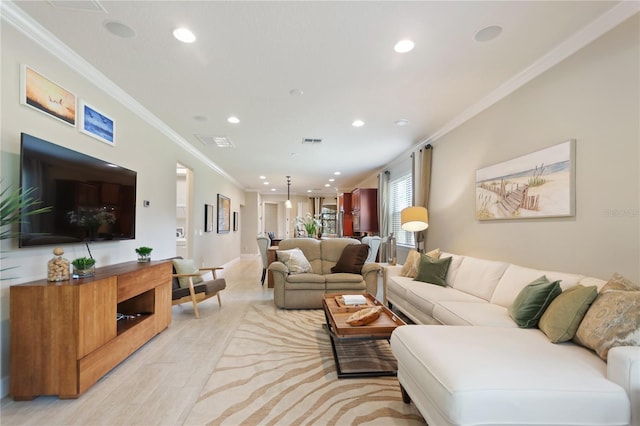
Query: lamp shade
287	204
414	219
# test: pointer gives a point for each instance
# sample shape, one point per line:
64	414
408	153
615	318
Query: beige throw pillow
294	260
410	267
563	316
613	319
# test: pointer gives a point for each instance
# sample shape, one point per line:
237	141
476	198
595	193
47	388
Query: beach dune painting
44	95
536	185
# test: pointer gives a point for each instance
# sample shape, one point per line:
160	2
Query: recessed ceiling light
488	33
358	123
327	185
296	92
309	190
404	46
401	122
263	177
332	180
266	183
120	29
184	35
273	189
336	173
233	120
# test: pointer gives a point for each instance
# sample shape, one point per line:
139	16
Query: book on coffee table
354	299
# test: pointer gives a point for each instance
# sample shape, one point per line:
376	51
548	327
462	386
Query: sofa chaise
467	362
305	290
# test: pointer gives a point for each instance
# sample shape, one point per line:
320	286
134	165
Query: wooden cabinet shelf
65	336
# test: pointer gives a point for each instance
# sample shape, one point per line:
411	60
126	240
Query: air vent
311	141
83	5
219	141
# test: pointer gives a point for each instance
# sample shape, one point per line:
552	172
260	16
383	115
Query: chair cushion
532	301
186	266
294	260
207	287
352	259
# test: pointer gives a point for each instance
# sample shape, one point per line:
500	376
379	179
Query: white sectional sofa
486	370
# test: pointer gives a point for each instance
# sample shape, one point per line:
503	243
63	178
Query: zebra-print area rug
278	369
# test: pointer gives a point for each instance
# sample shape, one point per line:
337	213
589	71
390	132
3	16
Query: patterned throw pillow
294	260
186	266
613	319
410	267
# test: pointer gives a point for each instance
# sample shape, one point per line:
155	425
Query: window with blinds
400	194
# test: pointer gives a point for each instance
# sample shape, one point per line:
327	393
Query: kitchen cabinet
365	210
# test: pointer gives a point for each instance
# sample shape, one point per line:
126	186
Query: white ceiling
249	55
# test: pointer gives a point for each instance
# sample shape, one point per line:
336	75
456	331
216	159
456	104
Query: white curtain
422	185
383	210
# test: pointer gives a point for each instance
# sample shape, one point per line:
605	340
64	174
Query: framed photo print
42	94
96	124
208	218
224	214
235	221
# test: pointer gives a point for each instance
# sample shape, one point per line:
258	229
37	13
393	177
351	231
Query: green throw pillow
186	266
531	302
433	271
563	316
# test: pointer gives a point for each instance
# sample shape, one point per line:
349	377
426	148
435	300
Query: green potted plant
84	266
144	254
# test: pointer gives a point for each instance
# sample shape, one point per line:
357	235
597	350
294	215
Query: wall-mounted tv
90	199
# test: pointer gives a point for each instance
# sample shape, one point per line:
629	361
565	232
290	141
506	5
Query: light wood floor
160	382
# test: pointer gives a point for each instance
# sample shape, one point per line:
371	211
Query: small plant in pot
84	266
144	253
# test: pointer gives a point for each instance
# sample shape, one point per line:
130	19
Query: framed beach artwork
224	214
96	124
42	94
536	185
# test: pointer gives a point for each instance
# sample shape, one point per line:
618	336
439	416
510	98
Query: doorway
184	196
271	218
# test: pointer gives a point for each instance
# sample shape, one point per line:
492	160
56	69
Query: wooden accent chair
195	288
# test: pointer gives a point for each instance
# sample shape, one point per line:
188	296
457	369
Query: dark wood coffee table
337	313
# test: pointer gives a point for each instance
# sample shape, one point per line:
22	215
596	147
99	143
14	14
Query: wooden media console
65	336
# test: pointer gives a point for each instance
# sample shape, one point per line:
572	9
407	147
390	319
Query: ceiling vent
219	141
311	141
83	5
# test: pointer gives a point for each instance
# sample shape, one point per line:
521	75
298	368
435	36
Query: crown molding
16	17
598	27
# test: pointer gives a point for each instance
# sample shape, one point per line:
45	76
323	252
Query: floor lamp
414	219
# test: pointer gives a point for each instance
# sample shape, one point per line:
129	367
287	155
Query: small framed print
96	124
224	214
235	221
208	218
179	232
42	94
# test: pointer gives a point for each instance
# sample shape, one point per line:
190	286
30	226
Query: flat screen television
90	199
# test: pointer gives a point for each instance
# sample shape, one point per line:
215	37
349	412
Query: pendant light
287	203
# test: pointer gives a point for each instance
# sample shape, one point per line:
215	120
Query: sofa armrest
623	368
370	274
279	267
280	273
392	271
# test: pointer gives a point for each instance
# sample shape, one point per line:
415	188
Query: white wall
593	97
139	147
